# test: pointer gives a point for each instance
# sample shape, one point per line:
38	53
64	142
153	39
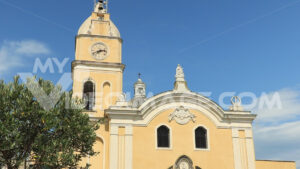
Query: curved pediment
141	111
181	102
166	98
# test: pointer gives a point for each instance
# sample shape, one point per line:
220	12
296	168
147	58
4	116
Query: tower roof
93	25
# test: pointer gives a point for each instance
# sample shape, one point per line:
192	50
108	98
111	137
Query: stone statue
122	97
180	83
179	72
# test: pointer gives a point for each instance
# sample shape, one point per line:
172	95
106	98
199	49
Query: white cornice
168	100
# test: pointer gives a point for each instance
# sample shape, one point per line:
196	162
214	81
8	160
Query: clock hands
100	51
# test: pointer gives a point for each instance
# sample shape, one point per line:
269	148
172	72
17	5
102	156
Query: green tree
56	135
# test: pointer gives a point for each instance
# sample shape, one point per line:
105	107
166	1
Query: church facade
177	129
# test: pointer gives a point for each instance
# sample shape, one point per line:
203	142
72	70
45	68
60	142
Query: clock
99	51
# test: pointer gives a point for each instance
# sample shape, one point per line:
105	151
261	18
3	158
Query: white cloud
287	109
277	130
16	53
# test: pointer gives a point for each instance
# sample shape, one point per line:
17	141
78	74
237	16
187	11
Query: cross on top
139	75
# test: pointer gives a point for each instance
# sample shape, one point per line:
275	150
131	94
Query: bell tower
97	69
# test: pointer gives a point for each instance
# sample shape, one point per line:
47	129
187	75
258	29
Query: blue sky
224	46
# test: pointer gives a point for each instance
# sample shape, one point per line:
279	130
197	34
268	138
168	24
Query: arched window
201	138
163	137
89	95
198	167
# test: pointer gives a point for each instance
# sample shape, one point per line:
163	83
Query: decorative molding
128	146
184	162
182	116
179	73
236	104
180	84
116	160
249	148
236	149
114	147
98	65
99	36
153	106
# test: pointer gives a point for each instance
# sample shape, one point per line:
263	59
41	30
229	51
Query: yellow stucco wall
219	154
108	82
99	79
146	155
101	160
84	44
275	165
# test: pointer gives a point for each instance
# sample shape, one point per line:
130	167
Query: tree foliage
57	137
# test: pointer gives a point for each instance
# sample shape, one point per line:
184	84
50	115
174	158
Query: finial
122	100
179	73
180	83
139	92
101	6
236	104
122	97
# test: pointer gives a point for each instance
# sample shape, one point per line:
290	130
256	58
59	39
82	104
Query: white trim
236	148
149	117
153	106
104	150
128	146
170	138
207	139
94	68
114	147
130	116
250	148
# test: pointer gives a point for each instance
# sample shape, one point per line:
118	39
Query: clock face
99	51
